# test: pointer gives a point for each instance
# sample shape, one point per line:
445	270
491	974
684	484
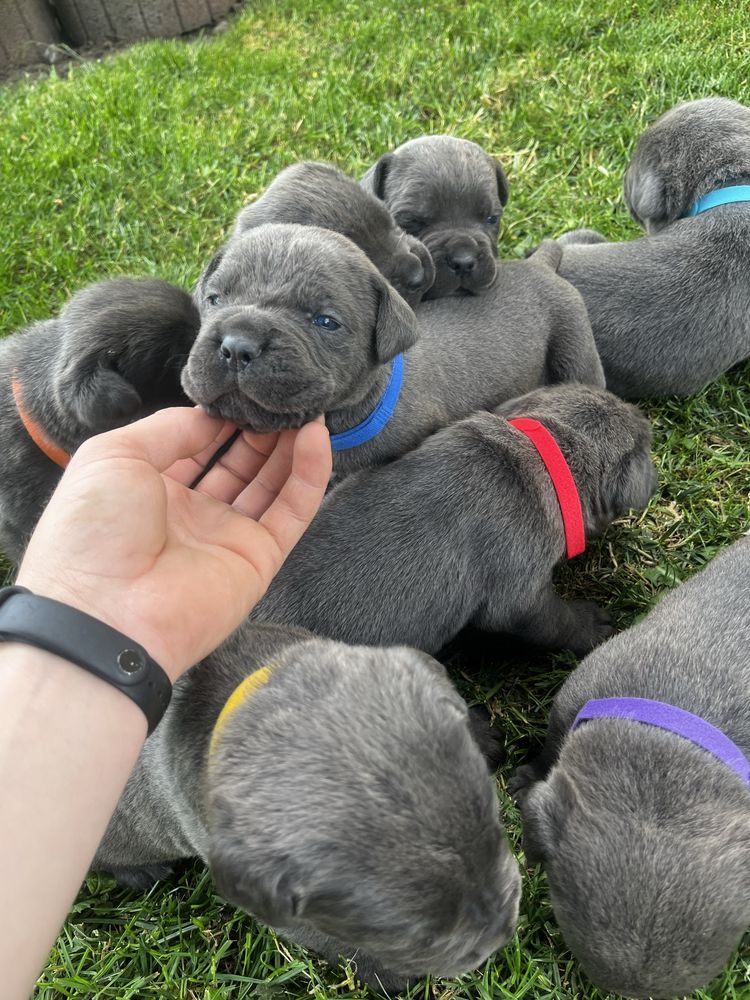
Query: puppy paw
593	625
521	781
141	878
488	739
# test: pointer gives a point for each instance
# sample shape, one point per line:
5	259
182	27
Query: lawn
138	165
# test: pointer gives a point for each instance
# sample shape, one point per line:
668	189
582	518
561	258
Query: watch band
89	643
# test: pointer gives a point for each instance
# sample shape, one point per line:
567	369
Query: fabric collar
373	425
244	690
562	479
34	430
721	196
674	720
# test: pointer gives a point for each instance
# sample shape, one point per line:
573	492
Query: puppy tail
548	254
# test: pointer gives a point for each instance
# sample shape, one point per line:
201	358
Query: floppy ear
212	265
396	325
379	175
645	195
502	183
100	399
270	894
544	811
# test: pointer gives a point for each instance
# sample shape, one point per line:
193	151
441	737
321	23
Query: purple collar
674	720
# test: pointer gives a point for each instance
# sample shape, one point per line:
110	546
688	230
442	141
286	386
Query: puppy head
296	322
688	152
349	799
450	194
606	442
646	843
123	345
318	194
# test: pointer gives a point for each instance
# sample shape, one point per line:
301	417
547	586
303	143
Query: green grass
138	165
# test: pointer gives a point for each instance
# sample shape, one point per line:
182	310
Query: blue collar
373	425
721	196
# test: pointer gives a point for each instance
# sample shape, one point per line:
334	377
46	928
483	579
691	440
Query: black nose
462	263
238	350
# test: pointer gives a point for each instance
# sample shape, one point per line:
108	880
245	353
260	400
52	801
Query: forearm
68	742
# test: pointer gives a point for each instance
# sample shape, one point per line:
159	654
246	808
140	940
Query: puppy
450	194
342	800
296	321
467	529
645	835
318	194
113	355
671	311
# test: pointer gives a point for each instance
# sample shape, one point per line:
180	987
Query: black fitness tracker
89	643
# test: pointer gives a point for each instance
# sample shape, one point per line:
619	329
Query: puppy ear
544	811
645	195
212	265
272	895
396	325
100	399
502	183
379	175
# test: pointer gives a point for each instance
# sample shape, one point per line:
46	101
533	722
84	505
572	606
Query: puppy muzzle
464	261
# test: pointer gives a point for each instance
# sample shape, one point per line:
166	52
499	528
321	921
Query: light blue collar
379	417
721	196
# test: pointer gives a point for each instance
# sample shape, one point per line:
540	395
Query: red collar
34	430
562	480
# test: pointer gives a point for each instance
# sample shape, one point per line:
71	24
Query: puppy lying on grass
645	833
337	794
671	311
468	529
296	321
113	355
318	194
450	194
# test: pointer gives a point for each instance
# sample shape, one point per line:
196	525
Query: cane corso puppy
296	321
338	795
113	355
466	529
644	831
450	194
671	311
318	194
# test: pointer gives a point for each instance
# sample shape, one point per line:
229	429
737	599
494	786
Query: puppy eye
213	299
325	322
412	224
492	220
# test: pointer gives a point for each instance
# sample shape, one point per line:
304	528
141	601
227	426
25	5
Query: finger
241	464
187	470
299	498
255	500
161	439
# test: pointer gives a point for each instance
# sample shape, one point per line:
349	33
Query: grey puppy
450	194
342	800
113	355
644	835
467	529
318	194
671	311
296	321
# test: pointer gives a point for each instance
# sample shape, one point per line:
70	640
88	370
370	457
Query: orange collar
35	432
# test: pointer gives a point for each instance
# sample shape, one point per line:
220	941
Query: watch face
131	661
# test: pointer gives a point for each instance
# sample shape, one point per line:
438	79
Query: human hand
125	540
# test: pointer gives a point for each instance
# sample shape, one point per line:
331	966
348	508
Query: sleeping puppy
467	529
645	836
339	797
318	194
671	311
113	355
450	194
296	321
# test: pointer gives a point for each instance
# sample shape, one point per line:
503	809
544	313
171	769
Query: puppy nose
238	350
462	263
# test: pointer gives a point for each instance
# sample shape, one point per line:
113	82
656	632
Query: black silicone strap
76	636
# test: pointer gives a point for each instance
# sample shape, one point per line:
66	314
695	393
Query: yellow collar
238	697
